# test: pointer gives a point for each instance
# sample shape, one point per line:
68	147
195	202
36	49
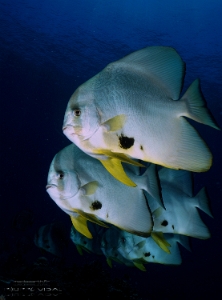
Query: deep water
47	49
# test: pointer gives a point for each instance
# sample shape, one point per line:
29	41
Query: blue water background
47	49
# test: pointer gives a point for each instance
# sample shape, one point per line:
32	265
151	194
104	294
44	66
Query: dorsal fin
161	64
180	179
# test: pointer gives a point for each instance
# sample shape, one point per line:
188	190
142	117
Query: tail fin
183	240
196	109
202	202
149	182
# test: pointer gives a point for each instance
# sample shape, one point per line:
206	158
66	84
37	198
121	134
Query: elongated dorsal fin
162	64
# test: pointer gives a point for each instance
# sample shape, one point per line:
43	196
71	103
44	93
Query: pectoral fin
80	224
115	123
161	242
90	188
115	168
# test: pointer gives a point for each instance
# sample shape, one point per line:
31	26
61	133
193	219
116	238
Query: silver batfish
79	184
133	109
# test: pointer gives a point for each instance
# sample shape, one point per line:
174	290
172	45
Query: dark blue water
47	49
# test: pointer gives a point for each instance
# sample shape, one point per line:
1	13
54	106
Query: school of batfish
126	179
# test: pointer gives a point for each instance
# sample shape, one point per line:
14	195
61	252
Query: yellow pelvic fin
139	266
115	123
161	242
90	187
80	224
109	262
157	212
79	249
91	218
120	156
115	168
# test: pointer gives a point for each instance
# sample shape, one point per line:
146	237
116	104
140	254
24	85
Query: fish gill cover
48	50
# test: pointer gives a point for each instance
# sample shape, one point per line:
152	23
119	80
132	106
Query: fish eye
61	175
77	112
123	240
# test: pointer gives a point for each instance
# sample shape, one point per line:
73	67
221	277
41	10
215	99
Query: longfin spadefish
90	187
161	242
80	224
115	123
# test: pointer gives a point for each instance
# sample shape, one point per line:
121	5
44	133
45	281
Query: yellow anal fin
80	224
115	168
161	242
79	249
91	218
90	187
139	266
115	123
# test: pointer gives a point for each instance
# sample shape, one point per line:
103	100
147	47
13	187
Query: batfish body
79	184
132	109
180	215
133	247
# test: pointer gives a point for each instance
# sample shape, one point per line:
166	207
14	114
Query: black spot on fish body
164	223
147	254
141	147
153	256
126	142
96	205
173	226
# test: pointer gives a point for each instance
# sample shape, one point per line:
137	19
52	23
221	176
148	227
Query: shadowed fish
52	238
180	214
132	109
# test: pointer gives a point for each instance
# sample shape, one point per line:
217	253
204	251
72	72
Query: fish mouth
50	186
70	128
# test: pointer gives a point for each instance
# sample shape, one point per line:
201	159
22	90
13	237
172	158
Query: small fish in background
133	109
79	184
110	248
133	247
84	243
24	244
52	238
180	215
23	220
